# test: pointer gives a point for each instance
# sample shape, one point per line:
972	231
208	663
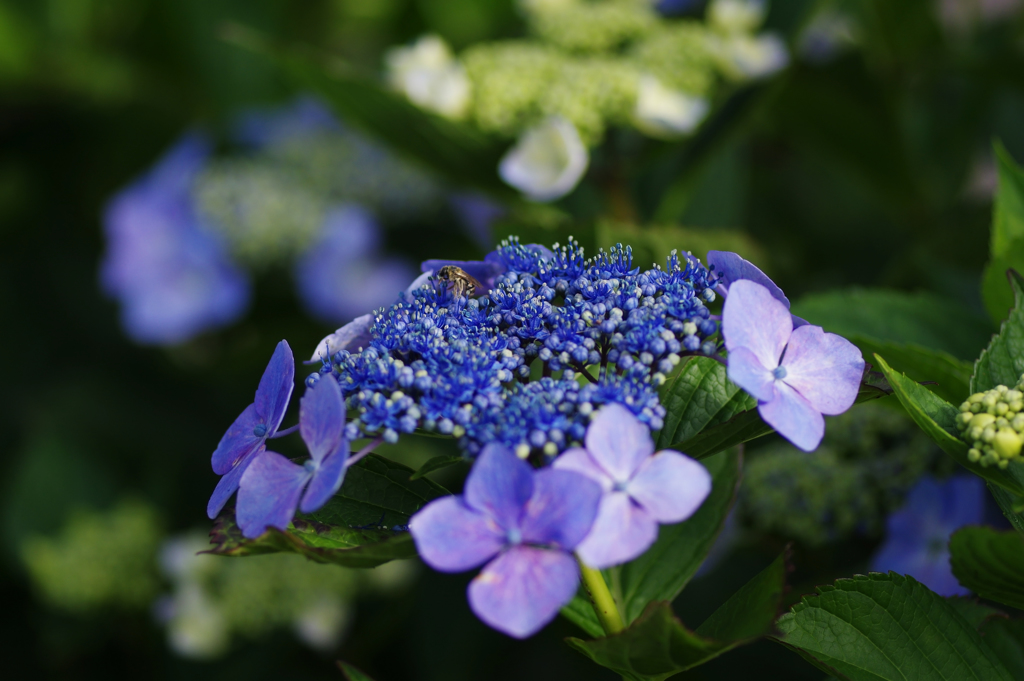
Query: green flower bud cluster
120	558
214	599
992	423
98	560
344	166
591	26
270	206
869	460
264	211
585	60
680	55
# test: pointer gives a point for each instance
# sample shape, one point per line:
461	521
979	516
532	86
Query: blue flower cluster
526	364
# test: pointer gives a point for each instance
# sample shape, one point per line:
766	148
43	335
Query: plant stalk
604	605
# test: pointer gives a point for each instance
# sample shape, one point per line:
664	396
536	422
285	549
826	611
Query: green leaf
971	609
990	563
1007	243
352	528
436	464
665	568
321	543
922	320
657	645
1008	212
880	627
996	290
1005	637
1002	363
580	611
718	435
698	395
952	375
1008	501
937	418
377	492
455	151
351	673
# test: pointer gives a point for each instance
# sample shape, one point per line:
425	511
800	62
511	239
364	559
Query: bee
459	281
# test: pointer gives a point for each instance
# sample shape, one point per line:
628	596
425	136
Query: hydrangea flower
547	162
666	113
797	375
173	278
428	74
640	488
521	522
461	366
272	486
341	275
259	421
731	267
917	536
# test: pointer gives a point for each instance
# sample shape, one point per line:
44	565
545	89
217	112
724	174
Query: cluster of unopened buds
992	422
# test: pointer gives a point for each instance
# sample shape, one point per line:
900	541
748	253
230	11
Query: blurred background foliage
867	164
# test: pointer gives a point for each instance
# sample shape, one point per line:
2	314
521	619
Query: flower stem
604	605
354	459
282	433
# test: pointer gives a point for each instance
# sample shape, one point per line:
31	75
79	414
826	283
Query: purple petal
618	441
753	319
326	480
482	270
238	441
540	249
322	418
523	589
823	367
670	486
622	531
451	537
355	334
579	461
732	268
562	508
269	494
793	417
419	282
276	387
227	485
499	485
746	371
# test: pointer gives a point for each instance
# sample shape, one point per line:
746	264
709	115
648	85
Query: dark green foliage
870	457
657	645
887	627
990	563
354	529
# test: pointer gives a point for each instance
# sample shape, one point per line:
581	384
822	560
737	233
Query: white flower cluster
586	65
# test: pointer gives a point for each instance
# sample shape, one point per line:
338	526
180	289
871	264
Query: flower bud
1007	443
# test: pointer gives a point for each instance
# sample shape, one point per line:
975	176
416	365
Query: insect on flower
459	281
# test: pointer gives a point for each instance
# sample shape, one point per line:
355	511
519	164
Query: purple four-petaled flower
272	486
732	267
640	488
797	375
524	525
247	436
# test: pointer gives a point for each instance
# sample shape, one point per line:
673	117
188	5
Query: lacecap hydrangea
556	336
545	366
